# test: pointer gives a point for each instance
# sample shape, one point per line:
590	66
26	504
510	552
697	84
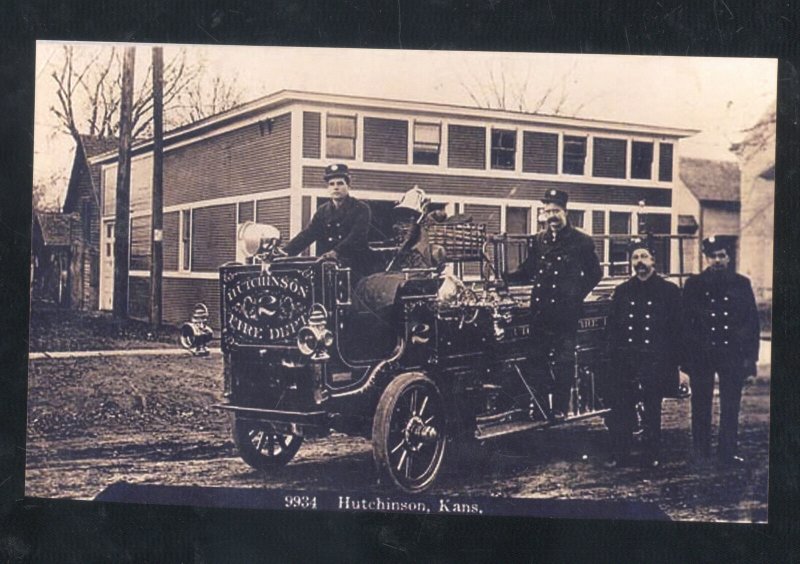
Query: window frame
499	150
185	241
573	140
421	145
633	143
328	136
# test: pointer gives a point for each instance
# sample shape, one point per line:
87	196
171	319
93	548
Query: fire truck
441	365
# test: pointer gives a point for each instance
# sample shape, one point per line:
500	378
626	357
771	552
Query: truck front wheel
263	445
409	432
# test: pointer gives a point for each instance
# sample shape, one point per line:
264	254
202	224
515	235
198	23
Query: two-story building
264	161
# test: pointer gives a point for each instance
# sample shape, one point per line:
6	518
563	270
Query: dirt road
147	420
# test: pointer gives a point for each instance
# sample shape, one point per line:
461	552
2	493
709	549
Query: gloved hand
330	255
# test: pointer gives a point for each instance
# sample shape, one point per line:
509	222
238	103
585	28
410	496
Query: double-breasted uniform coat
644	337
562	267
722	332
343	229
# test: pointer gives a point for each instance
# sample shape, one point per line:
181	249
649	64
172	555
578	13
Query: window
540	152
427	143
641	160
186	240
244	212
504	147
341	137
665	162
574	156
619	224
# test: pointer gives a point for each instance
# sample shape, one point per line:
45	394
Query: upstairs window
574	155
341	137
642	160
619	224
504	148
427	143
665	162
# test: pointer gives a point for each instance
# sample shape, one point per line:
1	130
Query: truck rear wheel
409	432
262	445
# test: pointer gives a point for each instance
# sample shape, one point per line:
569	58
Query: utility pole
157	205
122	222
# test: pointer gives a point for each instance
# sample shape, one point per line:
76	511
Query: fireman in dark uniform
723	339
562	267
340	227
644	338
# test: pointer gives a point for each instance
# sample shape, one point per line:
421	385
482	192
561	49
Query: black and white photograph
428	282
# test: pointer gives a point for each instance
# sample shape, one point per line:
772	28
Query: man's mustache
639	265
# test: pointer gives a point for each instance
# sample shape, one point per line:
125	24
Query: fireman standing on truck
562	267
644	339
723	339
340	227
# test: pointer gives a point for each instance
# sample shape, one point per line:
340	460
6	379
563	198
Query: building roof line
286	96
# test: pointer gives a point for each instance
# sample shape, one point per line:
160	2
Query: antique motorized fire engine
442	361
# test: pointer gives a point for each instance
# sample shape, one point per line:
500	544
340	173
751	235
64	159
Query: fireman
723	339
339	227
644	338
562	267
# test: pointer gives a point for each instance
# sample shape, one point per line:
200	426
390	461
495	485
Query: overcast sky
718	96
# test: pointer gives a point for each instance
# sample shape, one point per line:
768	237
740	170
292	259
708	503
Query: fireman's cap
337	170
646	243
558	197
715	243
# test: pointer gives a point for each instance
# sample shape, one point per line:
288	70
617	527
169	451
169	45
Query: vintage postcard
402	281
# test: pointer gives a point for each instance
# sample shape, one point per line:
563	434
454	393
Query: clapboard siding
311	135
170	244
466	147
139	297
213	237
275	212
247	160
609	159
540	152
502	188
181	294
385	140
140	243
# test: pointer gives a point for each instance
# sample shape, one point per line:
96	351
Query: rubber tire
381	427
249	452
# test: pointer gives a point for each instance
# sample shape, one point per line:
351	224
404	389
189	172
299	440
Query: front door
107	266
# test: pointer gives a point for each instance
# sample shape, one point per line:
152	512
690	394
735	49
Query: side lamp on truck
196	334
315	338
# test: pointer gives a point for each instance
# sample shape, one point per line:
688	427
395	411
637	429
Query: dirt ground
147	420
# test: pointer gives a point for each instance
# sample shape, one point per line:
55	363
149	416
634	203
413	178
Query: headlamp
314	339
254	238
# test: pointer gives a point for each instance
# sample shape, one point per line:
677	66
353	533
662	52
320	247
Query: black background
65	531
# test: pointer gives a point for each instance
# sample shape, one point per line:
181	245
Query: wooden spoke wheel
409	432
263	445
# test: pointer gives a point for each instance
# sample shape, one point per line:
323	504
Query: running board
484	432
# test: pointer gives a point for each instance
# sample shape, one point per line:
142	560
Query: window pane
665	162
426	155
342	126
427	133
574	156
503	148
575	218
340	147
641	160
609	157
620	223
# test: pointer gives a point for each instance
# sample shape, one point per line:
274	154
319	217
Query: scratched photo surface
310	279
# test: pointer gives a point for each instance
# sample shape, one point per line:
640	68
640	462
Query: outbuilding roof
55	228
711	181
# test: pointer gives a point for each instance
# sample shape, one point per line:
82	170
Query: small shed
51	242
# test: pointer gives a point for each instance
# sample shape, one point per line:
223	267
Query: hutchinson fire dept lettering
268	307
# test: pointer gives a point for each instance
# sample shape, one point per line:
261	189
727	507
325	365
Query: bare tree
89	82
501	90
